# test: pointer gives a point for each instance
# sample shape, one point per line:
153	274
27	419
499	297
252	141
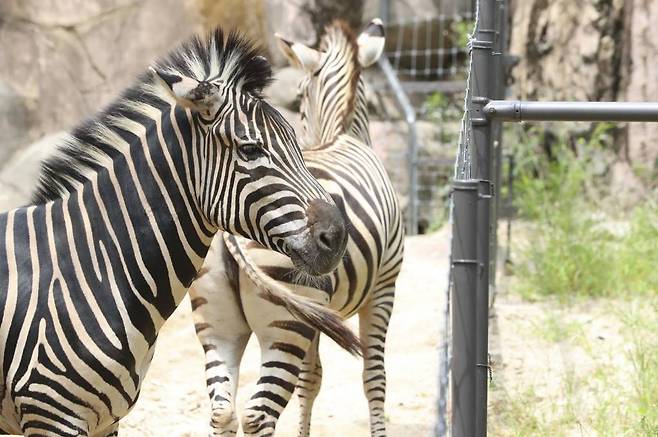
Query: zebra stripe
122	221
335	121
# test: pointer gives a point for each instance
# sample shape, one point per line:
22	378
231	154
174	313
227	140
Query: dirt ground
174	402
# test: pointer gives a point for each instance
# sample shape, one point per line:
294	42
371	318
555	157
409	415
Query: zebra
120	224
338	152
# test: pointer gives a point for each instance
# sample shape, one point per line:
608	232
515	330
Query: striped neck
358	126
143	208
333	97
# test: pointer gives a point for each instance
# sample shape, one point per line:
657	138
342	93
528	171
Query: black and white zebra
122	221
338	153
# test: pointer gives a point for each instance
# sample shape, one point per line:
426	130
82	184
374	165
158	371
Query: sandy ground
558	369
174	403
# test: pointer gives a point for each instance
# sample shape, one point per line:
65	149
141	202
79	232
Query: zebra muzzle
328	234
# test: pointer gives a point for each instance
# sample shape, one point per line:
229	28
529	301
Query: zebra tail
305	310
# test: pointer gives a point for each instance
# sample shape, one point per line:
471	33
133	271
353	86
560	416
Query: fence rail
505	110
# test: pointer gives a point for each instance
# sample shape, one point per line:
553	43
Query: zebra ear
371	43
204	97
299	55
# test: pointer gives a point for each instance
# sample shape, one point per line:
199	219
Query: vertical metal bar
464	274
384	11
499	77
412	227
410	118
510	204
483	88
481	362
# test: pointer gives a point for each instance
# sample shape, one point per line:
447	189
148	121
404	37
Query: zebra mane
94	143
339	33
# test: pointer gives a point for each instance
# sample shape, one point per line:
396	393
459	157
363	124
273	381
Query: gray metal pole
504	110
464	274
412	153
500	84
483	89
385	10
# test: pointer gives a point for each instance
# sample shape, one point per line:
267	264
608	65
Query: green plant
641	325
573	250
443	107
605	388
636	256
462	31
555	330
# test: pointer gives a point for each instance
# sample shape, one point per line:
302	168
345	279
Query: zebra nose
327	228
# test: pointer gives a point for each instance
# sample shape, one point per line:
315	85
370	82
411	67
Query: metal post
412	154
499	93
384	11
483	88
464	274
510	204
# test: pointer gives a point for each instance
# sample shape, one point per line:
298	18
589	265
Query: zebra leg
222	373
308	387
281	358
373	325
283	342
223	332
223	346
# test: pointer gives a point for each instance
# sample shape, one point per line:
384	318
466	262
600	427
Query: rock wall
67	58
568	50
593	50
641	80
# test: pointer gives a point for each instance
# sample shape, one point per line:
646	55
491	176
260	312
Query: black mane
233	58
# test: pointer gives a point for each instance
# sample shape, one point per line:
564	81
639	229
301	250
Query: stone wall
568	50
593	50
68	58
641	80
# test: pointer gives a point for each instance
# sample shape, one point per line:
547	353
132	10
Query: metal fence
424	55
474	212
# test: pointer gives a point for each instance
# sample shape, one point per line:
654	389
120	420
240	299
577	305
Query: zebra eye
251	151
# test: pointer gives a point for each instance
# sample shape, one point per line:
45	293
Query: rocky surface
14	121
20	174
69	58
283	92
593	50
435	165
641	146
568	50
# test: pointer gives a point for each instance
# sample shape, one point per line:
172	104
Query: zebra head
249	175
332	92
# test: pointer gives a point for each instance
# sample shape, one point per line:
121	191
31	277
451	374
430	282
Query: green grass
554	329
637	253
572	251
578	250
641	324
